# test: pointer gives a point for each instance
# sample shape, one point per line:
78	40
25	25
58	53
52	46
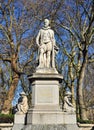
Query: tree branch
5	59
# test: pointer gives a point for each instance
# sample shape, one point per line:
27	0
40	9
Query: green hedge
85	121
6	118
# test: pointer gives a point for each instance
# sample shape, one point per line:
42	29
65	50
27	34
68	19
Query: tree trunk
72	91
72	81
10	95
82	109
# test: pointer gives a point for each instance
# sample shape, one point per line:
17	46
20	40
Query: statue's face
46	22
69	96
23	95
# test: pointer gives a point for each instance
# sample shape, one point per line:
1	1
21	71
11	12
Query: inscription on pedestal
45	95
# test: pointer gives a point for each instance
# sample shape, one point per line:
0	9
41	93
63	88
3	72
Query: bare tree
19	21
79	22
88	90
73	23
13	37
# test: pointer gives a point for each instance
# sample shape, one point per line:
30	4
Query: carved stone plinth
45	99
45	113
50	117
19	118
19	121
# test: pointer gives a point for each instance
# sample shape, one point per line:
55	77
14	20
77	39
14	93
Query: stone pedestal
50	117
45	99
20	118
19	121
45	113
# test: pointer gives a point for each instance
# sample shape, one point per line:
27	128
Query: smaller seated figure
68	107
22	105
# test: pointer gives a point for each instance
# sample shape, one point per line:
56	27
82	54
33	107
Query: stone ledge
51	127
48	108
46	70
85	125
37	117
45	76
6	124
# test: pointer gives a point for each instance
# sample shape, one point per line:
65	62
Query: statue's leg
49	49
48	58
19	107
45	60
41	58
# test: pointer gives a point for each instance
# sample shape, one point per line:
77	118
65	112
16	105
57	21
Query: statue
22	105
46	44
68	107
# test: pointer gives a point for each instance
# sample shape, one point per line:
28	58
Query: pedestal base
50	117
51	127
45	98
19	121
19	118
45	113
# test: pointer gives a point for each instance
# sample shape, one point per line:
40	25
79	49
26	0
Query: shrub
85	121
6	118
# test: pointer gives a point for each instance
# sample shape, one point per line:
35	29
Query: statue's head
68	93
46	22
23	94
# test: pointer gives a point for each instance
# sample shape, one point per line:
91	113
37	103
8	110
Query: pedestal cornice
46	76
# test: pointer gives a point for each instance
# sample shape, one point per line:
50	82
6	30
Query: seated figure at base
22	105
68	107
